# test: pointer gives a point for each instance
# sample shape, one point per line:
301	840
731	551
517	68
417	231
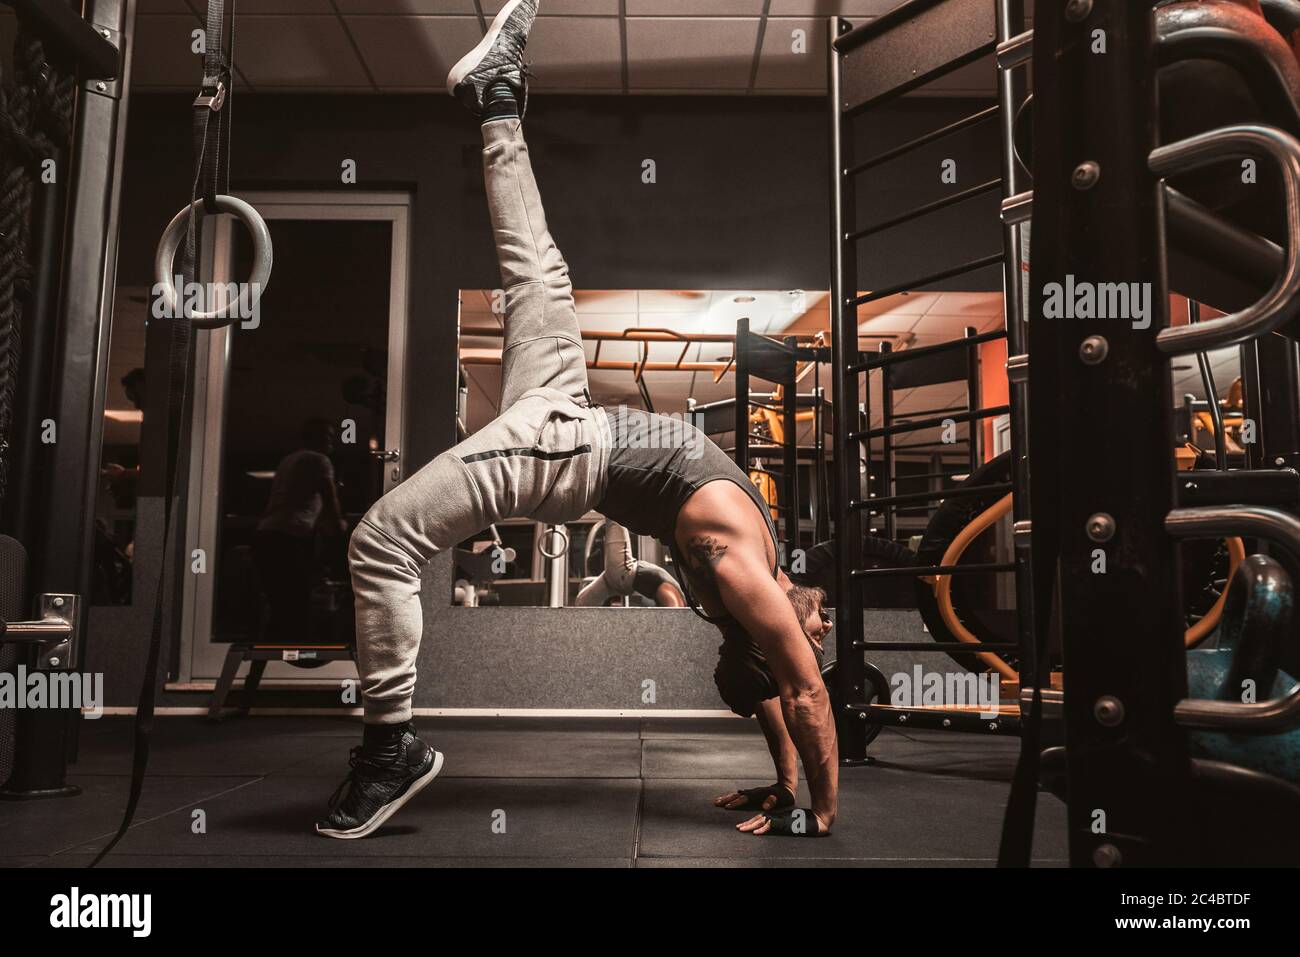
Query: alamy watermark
22	690
931	689
239	300
77	910
1130	301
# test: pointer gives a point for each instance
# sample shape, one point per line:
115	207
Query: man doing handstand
552	455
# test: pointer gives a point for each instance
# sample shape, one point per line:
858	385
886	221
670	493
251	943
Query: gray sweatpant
544	457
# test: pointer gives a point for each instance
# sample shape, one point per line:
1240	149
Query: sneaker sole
466	64
389	809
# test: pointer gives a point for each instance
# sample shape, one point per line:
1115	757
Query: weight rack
871	65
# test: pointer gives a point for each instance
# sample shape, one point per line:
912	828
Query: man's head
808	607
743	676
318	435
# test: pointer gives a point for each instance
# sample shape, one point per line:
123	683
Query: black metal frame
911	45
1103	110
759	357
63	527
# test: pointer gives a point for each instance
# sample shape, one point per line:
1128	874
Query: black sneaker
376	791
499	56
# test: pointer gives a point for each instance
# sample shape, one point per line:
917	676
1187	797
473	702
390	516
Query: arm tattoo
705	552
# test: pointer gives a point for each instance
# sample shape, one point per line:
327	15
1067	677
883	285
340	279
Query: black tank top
656	463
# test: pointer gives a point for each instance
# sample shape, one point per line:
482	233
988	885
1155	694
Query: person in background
303	499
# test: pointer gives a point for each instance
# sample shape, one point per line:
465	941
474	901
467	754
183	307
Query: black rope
210	133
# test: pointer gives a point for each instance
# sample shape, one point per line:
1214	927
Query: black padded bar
923	412
863	573
917	425
930	475
910	46
973	120
1197	229
885	358
925	210
931	445
910	497
944	646
914	284
60	25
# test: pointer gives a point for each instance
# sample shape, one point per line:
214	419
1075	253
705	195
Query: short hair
805	599
317	428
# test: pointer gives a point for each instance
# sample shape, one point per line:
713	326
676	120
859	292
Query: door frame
200	659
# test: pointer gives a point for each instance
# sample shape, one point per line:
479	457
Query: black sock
383	742
499	102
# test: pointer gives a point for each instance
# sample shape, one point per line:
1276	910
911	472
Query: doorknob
386	455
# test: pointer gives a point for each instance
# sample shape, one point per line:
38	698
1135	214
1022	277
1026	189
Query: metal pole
741	356
790	450
66	529
850	670
1211	395
887	450
1097	116
976	443
1010	17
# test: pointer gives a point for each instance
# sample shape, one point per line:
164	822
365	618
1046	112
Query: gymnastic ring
564	536
249	293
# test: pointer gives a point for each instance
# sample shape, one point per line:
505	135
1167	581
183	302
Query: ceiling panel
409	7
558	8
299	52
576	53
163	6
170	62
793	55
827	8
412	52
678	47
684	53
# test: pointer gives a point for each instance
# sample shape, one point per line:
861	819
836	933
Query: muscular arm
746	587
784	756
332	513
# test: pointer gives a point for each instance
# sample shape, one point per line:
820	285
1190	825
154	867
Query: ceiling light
743	299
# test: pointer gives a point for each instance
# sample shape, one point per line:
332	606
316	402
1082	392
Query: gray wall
741	201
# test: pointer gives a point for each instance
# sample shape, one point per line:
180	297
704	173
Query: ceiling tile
694	8
576	53
161	56
606	301
300	51
973	305
319	7
946	327
145	7
408	7
793	55
412	52
828	8
556	8
688	53
903	303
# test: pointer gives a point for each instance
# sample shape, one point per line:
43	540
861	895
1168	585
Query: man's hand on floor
773	797
796	822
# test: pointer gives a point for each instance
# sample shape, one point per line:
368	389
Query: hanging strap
1017	844
211	144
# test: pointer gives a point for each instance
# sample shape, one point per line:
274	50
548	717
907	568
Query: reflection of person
121	479
624	574
303	498
552	456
